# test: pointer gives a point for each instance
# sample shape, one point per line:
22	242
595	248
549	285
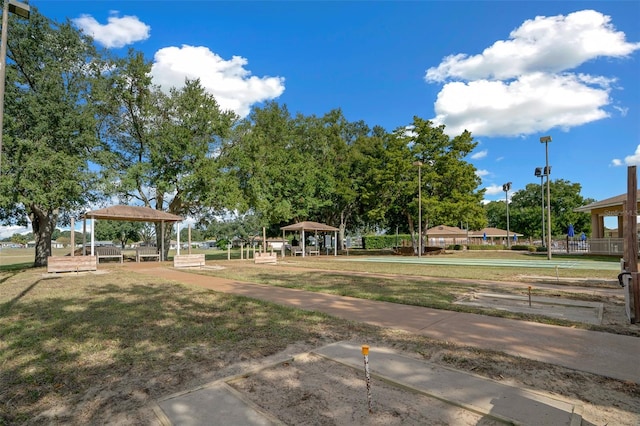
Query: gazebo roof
309	226
133	214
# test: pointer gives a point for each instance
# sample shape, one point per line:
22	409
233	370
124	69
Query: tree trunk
43	223
413	233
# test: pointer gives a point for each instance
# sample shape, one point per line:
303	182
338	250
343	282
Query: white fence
606	246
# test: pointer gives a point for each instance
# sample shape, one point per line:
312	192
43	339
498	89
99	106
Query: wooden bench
146	252
312	250
296	250
265	258
188	260
109	252
71	264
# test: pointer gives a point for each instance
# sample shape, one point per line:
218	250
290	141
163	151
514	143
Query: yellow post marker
365	353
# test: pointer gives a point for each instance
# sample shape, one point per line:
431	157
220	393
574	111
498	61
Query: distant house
54	244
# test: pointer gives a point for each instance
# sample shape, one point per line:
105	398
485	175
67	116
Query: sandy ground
311	390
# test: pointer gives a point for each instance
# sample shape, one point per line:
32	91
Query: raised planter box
71	264
265	258
188	261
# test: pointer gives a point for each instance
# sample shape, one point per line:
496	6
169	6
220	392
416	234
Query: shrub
486	247
520	247
373	242
222	244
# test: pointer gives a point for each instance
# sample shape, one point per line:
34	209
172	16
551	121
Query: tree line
83	127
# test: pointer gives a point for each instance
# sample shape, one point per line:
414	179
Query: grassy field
96	348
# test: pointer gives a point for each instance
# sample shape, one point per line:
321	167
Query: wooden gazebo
130	214
313	227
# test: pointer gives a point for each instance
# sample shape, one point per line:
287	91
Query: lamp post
545	140
22	10
506	188
540	173
419	165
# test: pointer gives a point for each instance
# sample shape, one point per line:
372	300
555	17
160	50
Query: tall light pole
23	11
539	173
545	140
419	165
506	188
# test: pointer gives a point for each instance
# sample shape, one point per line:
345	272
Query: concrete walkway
604	354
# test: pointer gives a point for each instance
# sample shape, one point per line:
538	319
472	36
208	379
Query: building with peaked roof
613	206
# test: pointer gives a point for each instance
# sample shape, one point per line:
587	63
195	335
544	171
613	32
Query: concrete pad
213	405
567	309
487	397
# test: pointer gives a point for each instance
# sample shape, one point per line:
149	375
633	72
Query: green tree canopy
164	148
50	123
525	210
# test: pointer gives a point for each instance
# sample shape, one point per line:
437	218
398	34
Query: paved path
600	353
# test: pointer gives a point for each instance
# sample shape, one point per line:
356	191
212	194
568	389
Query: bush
373	242
522	247
454	247
486	247
222	244
541	249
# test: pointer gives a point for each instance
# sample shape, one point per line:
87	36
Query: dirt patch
312	390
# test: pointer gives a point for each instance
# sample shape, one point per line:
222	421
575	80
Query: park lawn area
73	347
431	286
100	348
446	272
465	272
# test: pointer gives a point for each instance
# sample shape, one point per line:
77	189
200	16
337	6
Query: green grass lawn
78	349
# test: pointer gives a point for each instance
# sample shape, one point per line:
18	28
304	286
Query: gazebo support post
177	238
84	236
73	237
162	240
302	242
93	238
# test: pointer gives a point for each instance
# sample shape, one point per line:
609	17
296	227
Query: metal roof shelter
312	226
130	214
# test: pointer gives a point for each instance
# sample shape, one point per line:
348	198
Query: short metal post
365	353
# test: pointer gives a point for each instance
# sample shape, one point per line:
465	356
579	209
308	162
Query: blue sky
508	71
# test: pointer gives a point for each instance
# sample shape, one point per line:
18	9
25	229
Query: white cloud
118	32
522	85
493	190
232	85
9	231
629	160
534	103
480	154
482	173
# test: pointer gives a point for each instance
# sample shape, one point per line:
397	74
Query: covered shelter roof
446	231
133	214
609	206
309	226
312	226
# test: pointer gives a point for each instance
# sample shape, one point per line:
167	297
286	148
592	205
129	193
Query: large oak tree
49	133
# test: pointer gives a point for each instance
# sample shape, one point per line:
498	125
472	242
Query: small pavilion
130	214
311	227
